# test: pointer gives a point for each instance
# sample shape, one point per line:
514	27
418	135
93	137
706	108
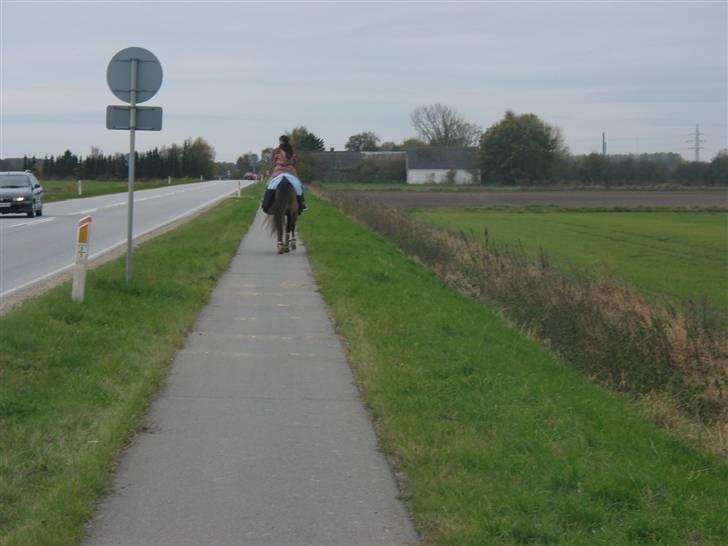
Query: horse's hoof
293	244
281	248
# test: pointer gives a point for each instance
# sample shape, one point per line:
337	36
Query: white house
434	165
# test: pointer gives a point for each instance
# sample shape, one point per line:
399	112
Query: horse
283	214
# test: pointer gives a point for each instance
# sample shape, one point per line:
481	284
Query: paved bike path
259	437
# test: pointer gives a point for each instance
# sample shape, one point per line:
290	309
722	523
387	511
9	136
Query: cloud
238	74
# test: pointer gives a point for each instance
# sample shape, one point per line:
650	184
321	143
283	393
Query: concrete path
259	437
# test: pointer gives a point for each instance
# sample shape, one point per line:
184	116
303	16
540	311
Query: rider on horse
284	166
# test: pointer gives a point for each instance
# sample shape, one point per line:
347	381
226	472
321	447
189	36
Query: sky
238	74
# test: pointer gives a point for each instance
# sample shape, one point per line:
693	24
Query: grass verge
499	440
58	190
598	323
76	378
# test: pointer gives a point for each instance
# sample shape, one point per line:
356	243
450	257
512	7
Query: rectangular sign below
148	118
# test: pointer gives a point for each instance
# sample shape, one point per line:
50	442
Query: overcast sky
239	74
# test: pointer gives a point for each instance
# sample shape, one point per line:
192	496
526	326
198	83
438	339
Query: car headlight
18	199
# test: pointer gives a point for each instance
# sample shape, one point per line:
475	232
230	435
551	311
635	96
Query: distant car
20	192
250	176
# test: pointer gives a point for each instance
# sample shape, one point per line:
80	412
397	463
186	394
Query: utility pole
604	144
696	142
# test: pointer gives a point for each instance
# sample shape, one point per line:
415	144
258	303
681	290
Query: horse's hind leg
281	246
287	245
292	226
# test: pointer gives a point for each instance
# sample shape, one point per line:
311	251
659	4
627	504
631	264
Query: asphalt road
35	249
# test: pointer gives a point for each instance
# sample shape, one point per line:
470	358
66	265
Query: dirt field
564	199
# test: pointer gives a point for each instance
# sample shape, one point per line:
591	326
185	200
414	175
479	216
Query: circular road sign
149	74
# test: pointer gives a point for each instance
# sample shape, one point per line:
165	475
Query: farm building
434	165
359	166
431	165
336	166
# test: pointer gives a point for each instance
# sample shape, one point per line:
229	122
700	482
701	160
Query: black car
20	192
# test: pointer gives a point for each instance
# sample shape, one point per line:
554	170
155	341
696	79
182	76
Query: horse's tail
285	201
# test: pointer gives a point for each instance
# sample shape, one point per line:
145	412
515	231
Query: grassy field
356	186
500	442
58	190
680	255
76	378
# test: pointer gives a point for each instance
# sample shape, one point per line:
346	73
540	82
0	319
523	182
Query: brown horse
283	215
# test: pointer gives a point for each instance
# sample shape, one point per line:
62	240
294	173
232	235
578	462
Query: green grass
58	190
76	378
500	442
678	255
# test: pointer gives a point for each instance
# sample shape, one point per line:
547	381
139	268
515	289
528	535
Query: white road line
114	245
84	211
32	222
118	204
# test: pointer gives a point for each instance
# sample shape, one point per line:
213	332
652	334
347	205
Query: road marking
88	211
162	195
118	204
32	222
115	245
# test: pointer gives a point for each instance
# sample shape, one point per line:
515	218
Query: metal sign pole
132	161
134	75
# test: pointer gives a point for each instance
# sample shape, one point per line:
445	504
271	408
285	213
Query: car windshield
14	181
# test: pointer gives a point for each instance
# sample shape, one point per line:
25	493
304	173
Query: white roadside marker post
238	188
79	269
80	189
169	180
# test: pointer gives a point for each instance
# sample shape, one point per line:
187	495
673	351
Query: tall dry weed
598	323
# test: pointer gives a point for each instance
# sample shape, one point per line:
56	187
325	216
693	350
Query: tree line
520	149
193	159
525	150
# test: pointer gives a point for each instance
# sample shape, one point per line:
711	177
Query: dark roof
338	161
442	158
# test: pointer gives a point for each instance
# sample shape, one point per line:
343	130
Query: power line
697	141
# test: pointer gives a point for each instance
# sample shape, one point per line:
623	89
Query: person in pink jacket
284	162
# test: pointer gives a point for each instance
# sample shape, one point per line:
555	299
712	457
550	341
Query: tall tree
198	157
304	140
265	156
412	144
440	125
389	146
363	142
520	149
247	163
